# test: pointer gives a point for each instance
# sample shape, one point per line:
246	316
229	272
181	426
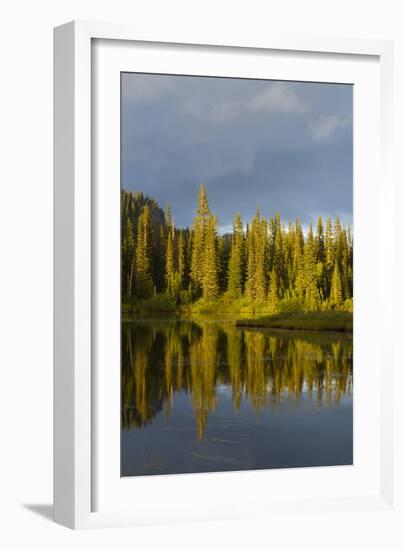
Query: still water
206	396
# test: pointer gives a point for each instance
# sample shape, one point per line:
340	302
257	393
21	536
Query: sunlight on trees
265	264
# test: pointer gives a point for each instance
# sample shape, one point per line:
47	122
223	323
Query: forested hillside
265	263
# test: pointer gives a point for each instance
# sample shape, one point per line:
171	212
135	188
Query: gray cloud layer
284	146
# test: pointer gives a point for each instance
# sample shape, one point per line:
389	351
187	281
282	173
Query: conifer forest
268	265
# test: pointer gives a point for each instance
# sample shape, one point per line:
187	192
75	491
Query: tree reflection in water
161	358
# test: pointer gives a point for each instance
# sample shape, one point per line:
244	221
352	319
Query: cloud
146	89
325	126
277	97
283	145
223	229
212	109
297	183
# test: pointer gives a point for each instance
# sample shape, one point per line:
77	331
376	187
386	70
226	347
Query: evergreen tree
260	259
200	224
336	293
271	236
299	271
288	253
329	257
256	243
188	257
128	257
170	262
272	298
168	219
337	229
235	266
320	242
278	255
320	257
250	291
350	261
144	282
181	259
342	257
210	262
311	295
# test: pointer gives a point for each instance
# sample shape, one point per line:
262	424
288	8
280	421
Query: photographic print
236	274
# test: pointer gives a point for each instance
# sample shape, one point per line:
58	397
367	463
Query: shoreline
320	321
323	321
240	324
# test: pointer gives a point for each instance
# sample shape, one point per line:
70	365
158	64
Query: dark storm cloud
281	146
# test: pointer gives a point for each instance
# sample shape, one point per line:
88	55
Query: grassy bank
161	303
166	304
339	321
247	315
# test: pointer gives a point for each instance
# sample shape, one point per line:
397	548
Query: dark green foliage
271	267
128	257
132	205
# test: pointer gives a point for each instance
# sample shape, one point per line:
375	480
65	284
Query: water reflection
164	359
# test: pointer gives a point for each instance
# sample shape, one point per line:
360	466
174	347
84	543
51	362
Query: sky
280	146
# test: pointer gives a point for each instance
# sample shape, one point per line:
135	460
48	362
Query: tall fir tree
329	256
350	261
181	259
236	261
144	282
278	255
320	241
210	262
320	256
342	256
168	217
260	259
272	297
128	257
170	261
250	291
336	292
256	244
298	268
200	224
311	294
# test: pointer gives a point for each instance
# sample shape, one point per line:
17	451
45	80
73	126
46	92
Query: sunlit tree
144	282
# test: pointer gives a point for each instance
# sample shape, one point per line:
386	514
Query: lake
205	396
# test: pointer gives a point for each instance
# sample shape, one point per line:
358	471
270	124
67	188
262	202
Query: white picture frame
88	492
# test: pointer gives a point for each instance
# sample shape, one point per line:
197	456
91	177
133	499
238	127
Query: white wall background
26	263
